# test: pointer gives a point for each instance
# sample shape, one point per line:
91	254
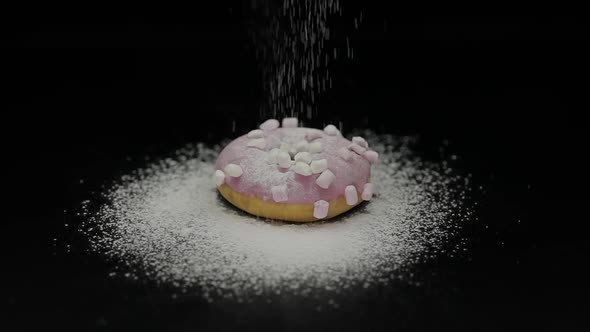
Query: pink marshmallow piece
219	177
331	130
345	154
290	123
320	209
360	141
351	195
357	148
258	143
368	191
371	156
279	193
270	124
313	135
325	179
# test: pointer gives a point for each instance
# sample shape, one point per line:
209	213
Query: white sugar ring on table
305	175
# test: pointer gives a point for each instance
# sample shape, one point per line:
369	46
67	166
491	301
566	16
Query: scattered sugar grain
169	222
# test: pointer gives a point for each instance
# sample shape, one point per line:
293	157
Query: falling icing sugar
295	53
168	222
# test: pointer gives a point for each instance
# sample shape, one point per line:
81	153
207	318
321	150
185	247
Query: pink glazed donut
293	173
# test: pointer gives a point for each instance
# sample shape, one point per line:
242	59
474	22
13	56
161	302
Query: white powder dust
295	52
170	224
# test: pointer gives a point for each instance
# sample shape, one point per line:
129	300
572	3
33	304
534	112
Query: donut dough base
282	211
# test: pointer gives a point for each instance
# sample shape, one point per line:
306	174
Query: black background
90	91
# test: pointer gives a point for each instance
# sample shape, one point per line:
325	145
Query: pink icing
259	176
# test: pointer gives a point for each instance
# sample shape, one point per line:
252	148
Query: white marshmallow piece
272	142
368	191
318	166
279	193
301	146
256	133
360	141
219	177
303	157
272	156
351	195
285	147
259	143
233	170
345	154
302	168
315	147
331	130
313	135
290	123
288	148
325	179
269	124
320	209
357	148
371	156
283	159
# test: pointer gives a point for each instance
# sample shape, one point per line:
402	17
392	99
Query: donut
293	173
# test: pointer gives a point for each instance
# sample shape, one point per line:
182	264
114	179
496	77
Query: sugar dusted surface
168	223
260	176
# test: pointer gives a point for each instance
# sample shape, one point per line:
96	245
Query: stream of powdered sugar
169	222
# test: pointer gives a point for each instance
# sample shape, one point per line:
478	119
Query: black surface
90	89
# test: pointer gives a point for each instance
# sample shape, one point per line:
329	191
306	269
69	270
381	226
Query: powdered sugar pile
169	222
